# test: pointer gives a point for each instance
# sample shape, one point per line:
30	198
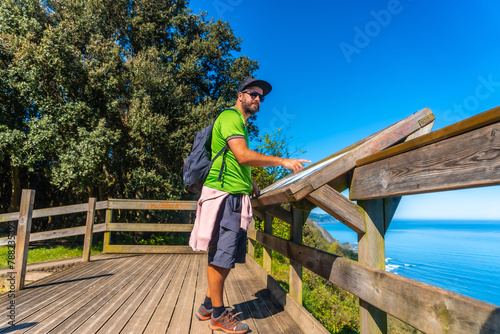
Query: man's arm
246	156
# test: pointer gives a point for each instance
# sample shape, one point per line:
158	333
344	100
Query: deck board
139	321
147	293
123	293
33	307
200	293
88	306
119	278
161	318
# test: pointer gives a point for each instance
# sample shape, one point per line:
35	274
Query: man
224	209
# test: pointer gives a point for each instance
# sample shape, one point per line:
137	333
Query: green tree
102	98
277	144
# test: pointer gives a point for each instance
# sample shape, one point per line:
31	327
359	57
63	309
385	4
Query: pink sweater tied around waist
206	214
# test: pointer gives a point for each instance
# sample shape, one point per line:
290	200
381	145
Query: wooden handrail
475	122
423	306
464	161
59	233
25	216
334	169
131	204
55	211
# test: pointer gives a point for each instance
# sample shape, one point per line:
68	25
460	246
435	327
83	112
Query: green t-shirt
236	178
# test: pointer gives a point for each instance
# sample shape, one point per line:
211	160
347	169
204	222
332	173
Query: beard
250	108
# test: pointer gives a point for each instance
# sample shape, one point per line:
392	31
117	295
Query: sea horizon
462	256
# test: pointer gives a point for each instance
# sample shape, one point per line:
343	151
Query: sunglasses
254	95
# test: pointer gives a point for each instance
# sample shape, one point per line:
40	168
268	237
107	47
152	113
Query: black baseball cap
266	86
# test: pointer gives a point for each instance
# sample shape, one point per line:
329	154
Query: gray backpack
198	163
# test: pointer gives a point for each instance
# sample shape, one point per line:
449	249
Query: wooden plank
60	210
101	205
267	252
47	287
138	227
121	317
139	321
107	235
61	233
252	233
149	249
47	212
95	299
236	301
24	295
390	206
88	297
392	203
425	307
122	297
131	204
250	242
275	211
161	318
179	323
23	236
475	122
258	213
299	315
385	139
198	326
122	294
272	198
281	213
371	252
244	297
89	228
295	268
9	217
345	160
339	207
465	161
68	306
33	303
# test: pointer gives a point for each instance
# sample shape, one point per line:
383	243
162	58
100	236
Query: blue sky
343	70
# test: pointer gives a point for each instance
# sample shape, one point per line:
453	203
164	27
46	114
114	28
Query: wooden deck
127	293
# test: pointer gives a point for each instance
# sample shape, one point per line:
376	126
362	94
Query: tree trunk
15	197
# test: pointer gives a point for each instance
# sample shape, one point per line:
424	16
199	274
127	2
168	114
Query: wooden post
23	236
267	256
296	269
371	251
87	244
250	242
107	234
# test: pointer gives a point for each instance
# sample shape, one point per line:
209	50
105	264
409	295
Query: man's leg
216	277
223	319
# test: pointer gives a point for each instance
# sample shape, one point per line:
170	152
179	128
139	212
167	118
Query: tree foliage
276	144
102	97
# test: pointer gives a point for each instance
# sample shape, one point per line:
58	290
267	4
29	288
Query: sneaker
228	323
204	313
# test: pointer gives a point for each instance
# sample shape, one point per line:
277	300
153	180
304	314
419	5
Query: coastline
447	254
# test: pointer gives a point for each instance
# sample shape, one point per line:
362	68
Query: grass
48	253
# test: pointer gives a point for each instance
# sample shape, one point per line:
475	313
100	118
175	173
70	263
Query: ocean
460	256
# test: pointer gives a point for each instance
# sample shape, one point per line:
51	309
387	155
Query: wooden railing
377	172
26	214
463	155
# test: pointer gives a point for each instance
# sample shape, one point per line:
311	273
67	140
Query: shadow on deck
127	293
